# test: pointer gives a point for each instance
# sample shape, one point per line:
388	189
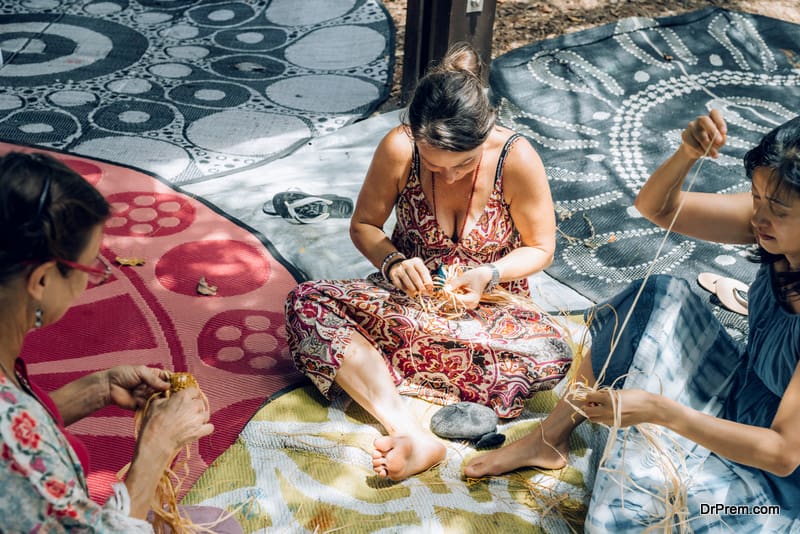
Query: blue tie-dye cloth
674	345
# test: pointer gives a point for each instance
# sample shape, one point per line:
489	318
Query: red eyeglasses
99	271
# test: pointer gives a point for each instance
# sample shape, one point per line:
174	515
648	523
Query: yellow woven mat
303	464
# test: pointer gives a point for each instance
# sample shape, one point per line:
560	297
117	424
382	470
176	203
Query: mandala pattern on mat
189	89
606	106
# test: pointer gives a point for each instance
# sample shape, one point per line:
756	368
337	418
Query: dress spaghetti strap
503	153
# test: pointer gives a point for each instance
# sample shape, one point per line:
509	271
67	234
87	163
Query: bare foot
399	457
528	451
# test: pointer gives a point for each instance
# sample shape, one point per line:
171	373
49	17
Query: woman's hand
635	406
412	276
469	286
130	386
168	425
178	420
704	130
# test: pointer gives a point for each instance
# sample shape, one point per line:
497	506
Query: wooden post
433	25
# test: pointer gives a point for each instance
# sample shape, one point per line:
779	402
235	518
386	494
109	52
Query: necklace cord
460	234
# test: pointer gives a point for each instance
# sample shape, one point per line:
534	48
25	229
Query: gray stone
464	420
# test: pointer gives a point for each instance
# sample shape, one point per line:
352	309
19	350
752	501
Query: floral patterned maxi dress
497	355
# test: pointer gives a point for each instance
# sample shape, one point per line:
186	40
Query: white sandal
730	292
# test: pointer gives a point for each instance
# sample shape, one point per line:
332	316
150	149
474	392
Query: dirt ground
520	22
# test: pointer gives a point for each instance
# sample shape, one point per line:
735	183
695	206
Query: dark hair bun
464	58
450	109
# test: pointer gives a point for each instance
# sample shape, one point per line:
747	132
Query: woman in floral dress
52	225
465	191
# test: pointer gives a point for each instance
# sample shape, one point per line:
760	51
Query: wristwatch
495	278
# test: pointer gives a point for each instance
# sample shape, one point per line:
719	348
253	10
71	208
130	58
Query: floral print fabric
43	484
417	233
497	355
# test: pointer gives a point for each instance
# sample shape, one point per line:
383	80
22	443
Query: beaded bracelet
385	263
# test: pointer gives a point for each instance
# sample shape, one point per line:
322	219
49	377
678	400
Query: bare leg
409	448
546	446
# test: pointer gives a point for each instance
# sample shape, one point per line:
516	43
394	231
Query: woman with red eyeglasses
52	221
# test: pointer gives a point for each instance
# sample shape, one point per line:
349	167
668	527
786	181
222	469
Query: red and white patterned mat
234	343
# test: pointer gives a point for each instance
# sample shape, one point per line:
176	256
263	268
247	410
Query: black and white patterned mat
604	107
189	89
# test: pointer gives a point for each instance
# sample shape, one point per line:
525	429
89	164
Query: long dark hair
779	151
450	109
47	211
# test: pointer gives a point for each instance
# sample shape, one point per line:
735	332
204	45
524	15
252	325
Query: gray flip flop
304	208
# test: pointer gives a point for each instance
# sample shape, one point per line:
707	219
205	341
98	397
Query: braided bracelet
391	265
385	263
